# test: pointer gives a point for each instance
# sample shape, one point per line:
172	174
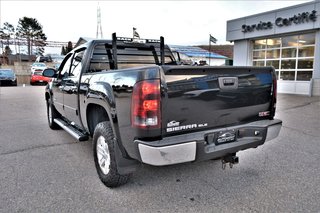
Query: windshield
57	58
38	65
6	73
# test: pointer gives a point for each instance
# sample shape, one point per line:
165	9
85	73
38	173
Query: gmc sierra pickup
138	105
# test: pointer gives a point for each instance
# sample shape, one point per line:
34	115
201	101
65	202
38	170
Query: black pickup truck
138	105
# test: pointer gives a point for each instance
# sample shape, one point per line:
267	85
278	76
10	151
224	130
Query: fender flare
101	94
48	92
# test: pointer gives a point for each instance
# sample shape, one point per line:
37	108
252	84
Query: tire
104	156
52	114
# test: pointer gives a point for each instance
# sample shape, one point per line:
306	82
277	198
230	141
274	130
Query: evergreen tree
31	30
7	51
63	51
69	47
6	33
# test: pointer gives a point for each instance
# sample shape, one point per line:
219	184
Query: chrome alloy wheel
103	155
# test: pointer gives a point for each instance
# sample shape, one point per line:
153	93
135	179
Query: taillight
146	104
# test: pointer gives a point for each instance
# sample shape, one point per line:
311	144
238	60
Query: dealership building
287	39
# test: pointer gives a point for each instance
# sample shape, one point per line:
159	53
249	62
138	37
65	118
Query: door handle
228	82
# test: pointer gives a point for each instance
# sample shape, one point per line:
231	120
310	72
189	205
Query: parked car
57	58
38	78
38	67
43	59
7	77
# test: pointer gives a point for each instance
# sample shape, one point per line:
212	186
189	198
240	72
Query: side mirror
50	72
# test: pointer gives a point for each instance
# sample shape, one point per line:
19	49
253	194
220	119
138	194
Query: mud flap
125	166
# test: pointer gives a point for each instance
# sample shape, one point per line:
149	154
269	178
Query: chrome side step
71	130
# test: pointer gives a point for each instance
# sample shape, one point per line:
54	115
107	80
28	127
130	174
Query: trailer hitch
231	159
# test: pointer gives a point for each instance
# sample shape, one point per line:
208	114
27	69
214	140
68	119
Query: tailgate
200	98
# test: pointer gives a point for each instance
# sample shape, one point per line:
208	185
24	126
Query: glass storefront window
289	53
305	64
307	39
287	75
304	75
274	63
288	64
291	56
290	41
259	44
273	43
259	54
306	51
273	53
258	63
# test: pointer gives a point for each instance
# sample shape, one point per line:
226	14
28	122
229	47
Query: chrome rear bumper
194	146
167	155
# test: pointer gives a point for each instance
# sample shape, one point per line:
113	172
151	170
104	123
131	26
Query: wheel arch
48	92
99	103
47	96
95	114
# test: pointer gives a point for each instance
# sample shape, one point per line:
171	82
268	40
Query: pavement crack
295	107
35	148
298	106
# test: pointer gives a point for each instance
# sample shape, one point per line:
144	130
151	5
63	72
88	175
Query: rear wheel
104	156
52	114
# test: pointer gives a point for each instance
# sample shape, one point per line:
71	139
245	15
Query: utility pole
99	27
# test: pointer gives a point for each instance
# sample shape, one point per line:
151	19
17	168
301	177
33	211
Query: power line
23	42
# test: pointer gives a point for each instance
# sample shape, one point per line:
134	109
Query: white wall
242	53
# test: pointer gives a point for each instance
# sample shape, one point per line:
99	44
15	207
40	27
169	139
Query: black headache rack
123	50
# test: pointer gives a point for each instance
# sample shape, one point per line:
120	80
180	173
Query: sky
180	22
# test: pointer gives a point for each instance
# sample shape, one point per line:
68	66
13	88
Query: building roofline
275	10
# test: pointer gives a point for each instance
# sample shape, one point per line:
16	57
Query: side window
77	64
64	73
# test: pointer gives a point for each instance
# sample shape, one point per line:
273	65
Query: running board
71	130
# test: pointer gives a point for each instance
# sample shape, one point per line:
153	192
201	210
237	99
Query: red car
37	78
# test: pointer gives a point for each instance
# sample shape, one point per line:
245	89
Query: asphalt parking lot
42	170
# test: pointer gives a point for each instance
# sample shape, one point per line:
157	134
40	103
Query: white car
38	67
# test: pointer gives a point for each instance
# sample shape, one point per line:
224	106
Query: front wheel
52	114
104	156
